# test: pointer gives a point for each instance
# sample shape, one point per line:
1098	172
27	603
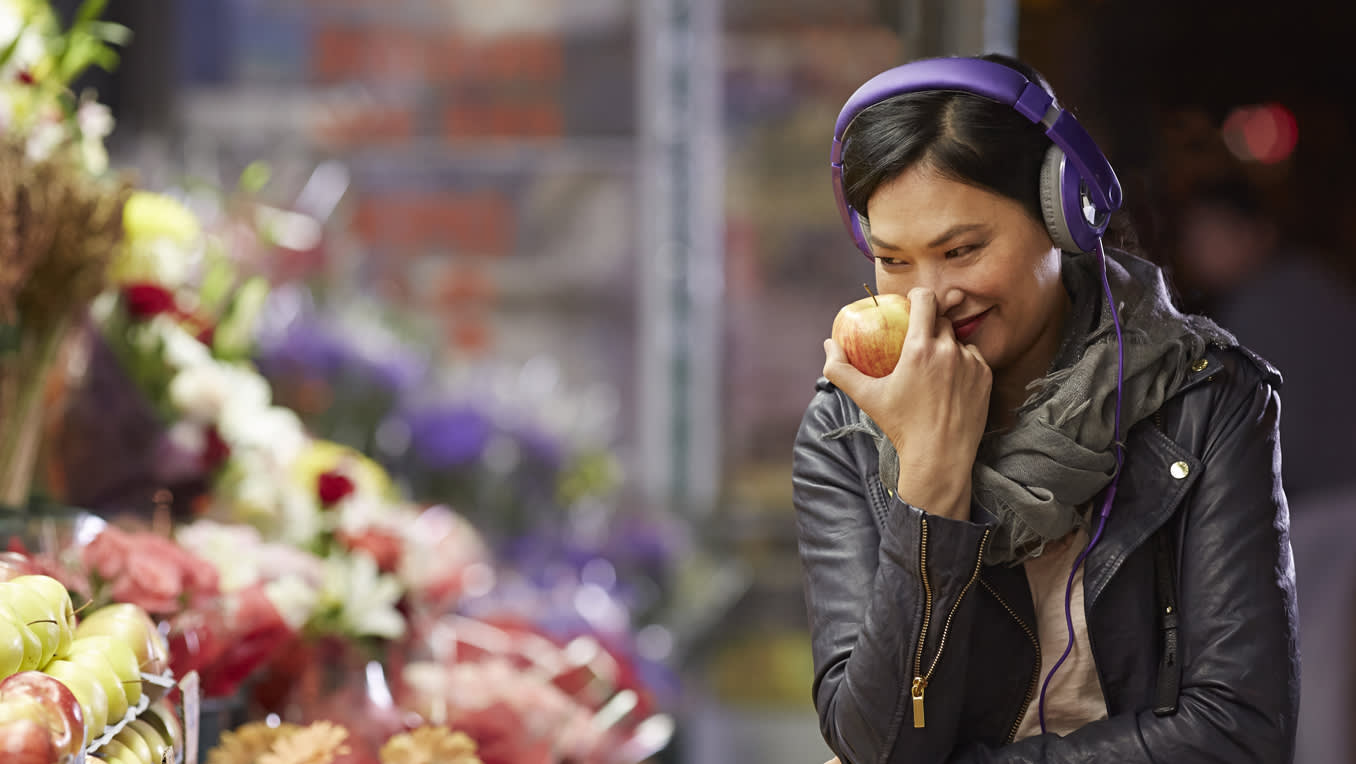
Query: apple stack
75	687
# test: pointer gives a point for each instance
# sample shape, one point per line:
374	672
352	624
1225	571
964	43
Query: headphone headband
1087	188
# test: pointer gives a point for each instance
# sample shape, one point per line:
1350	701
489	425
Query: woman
1056	531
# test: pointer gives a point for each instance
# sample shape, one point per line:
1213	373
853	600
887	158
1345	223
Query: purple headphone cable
1119	448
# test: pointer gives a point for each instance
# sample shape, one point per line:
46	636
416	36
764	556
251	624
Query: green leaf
89	11
255	176
110	32
13	46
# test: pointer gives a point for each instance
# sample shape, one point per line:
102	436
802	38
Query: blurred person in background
1233	264
1056	531
1290	305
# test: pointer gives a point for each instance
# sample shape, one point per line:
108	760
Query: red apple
61	710
24	741
871	332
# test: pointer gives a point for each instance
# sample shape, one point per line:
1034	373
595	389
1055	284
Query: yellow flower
246	744
430	745
321	456
320	743
150	216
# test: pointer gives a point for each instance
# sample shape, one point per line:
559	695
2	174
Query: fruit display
76	689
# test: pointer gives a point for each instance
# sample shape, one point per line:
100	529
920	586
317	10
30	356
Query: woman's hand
932	407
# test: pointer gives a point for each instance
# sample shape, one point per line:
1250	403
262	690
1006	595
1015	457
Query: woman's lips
967	327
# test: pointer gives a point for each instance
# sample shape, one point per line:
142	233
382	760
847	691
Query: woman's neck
1010	387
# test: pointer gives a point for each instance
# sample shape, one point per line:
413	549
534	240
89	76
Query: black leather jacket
895	594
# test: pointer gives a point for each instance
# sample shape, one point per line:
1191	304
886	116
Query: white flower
232	549
364	597
295	599
248	423
95	120
182	350
203	392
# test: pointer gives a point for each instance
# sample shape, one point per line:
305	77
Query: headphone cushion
1052	200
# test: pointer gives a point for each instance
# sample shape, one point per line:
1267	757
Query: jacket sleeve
1240	678
872	594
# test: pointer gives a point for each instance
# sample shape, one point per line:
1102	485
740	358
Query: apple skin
101	671
130	624
162	717
135	743
33	609
871	332
62	711
32	654
151	736
13	648
88	691
120	656
54	593
25	741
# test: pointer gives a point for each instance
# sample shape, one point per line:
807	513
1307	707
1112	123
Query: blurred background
617	213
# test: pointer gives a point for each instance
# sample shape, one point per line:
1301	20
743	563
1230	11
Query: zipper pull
917	692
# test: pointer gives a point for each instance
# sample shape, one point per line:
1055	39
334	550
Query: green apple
155	742
134	627
55	594
32	655
134	743
162	717
116	751
102	672
123	660
12	651
40	615
87	691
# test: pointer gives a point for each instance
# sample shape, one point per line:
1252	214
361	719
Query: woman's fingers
922	314
839	371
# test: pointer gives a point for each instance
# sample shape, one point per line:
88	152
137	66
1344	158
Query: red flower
215	450
146	300
333	487
25	77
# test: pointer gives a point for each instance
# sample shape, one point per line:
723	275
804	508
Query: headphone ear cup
1052	200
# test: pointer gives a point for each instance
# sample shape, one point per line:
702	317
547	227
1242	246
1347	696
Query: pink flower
383	547
148	570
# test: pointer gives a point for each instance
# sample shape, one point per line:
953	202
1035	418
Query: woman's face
993	268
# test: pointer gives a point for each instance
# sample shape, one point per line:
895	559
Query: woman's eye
961	251
890	261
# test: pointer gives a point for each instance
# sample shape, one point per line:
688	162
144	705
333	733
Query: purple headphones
1078	188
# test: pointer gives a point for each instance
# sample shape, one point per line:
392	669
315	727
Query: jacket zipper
1035	672
920	677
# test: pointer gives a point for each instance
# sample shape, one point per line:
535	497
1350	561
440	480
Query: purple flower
448	436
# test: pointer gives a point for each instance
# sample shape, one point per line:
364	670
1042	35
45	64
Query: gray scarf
1029	481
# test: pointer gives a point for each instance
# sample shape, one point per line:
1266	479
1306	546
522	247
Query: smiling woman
968	599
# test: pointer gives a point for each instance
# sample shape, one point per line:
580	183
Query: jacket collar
1157	474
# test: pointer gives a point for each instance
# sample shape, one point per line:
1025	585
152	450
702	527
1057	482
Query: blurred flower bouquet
507	444
60	211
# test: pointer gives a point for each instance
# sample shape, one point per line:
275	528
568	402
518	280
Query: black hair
963	136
